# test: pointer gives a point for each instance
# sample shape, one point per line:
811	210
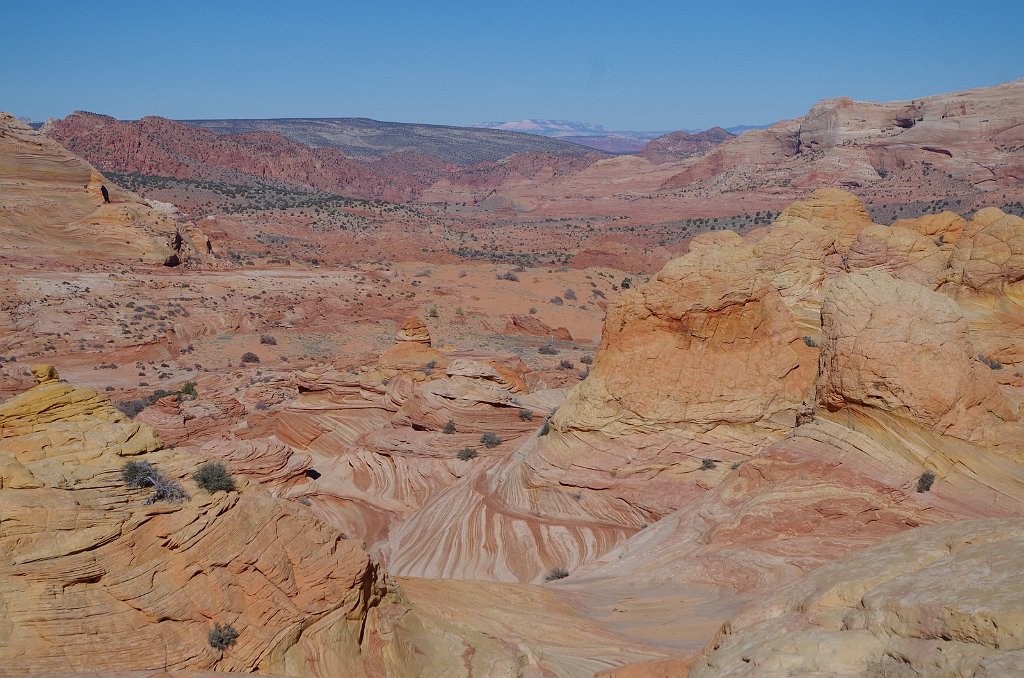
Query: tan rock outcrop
902	348
52	206
943	228
708	342
990	254
902	252
892	609
411	350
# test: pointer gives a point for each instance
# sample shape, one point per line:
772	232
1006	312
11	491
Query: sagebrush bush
449	428
490	439
222	636
135	474
707	464
213	477
250	357
467	454
268	340
547	349
924	483
586	360
525	414
139	474
565	364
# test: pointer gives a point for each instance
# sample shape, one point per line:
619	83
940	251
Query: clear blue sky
635	66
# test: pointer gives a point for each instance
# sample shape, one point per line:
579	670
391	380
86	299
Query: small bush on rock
222	637
139	474
557	573
213	477
467	454
449	428
924	483
490	439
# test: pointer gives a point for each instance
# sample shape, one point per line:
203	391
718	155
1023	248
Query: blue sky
635	66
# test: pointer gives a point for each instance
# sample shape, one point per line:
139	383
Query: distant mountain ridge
369	140
595	135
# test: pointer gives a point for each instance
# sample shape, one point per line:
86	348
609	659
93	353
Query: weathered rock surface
902	348
708	342
51	207
939	600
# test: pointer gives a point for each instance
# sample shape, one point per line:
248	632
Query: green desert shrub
467	454
214	476
924	483
449	428
490	439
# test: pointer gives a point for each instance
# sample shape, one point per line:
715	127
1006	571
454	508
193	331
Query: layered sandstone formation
94	579
51	206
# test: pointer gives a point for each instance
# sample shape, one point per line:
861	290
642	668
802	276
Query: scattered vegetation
222	636
565	364
586	360
131	408
708	464
490	439
569	294
508	275
467	454
250	357
139	474
213	477
433	312
525	414
547	349
924	483
810	342
268	340
449	428
557	573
